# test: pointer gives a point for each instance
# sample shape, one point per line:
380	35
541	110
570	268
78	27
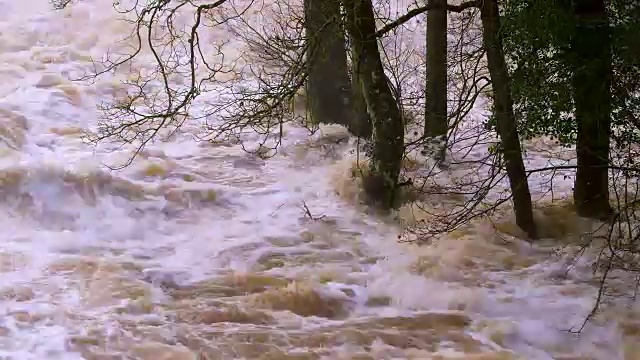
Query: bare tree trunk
329	90
591	84
436	123
381	182
363	126
506	121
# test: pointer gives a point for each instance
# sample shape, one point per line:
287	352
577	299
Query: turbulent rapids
203	251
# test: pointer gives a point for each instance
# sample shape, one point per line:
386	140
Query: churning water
198	251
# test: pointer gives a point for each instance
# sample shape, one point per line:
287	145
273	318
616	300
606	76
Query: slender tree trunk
591	84
381	182
330	93
436	123
506	121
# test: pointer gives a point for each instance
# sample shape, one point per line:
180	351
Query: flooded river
202	251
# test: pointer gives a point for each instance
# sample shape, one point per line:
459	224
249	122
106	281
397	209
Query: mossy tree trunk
330	94
381	180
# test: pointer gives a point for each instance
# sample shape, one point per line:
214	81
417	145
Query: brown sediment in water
256	314
88	185
216	329
91	186
87	267
555	220
234	284
70	131
422	335
286	304
301	299
222	313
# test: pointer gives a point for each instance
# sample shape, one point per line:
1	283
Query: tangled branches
185	63
451	196
178	70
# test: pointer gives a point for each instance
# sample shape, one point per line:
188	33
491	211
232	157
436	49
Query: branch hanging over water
423	9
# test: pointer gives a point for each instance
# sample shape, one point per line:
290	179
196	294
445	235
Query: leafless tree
471	186
254	90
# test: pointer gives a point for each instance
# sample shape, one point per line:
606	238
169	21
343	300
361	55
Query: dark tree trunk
363	126
329	90
436	123
506	121
591	82
381	182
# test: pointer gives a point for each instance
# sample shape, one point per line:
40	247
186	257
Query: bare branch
421	10
309	215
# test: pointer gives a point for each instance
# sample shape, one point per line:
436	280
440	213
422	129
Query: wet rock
165	279
378	301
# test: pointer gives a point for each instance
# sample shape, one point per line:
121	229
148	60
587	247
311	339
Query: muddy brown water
201	251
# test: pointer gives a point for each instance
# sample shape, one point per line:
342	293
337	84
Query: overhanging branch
423	9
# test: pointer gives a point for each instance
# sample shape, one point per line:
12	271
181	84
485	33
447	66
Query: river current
203	251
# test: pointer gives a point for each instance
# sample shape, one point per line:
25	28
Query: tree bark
363	126
381	181
436	123
330	95
506	121
591	83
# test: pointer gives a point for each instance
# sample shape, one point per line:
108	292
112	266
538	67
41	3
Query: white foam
31	32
